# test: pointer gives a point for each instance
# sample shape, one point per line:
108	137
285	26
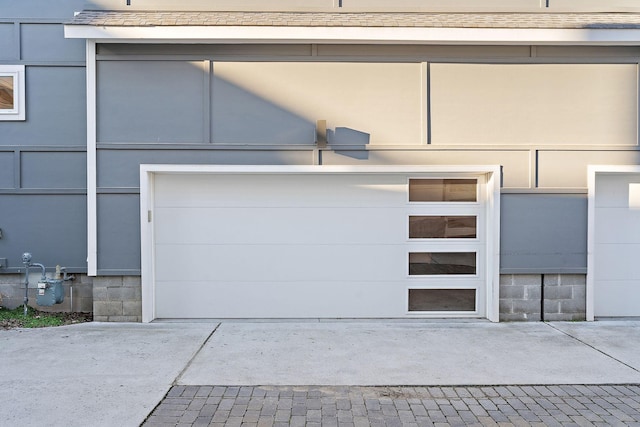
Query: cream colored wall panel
568	169
596	5
277	103
534	104
450	5
587	51
424	51
515	163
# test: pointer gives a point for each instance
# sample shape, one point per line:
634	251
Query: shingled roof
364	19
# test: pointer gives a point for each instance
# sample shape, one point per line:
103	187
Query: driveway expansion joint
586	344
195	354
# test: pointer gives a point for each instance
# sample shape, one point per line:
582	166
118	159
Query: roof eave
359	35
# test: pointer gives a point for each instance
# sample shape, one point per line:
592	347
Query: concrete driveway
114	374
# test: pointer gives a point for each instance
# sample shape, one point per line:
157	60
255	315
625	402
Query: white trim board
592	172
366	35
92	207
492	174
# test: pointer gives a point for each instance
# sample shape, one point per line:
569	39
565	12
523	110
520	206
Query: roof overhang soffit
353	35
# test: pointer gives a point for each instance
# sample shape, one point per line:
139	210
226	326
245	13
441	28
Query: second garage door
615	242
319	245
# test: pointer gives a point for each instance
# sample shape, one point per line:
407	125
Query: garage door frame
147	191
594	171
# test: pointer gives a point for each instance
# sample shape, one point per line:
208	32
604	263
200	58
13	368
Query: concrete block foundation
520	297
117	299
523	297
547	297
565	297
78	293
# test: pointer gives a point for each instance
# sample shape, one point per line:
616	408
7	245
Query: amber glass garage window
442	227
6	93
431	263
443	190
442	299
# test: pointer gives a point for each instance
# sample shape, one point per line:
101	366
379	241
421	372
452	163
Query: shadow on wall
238	115
356	140
241	116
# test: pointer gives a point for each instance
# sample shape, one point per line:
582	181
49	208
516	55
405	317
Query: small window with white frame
12	92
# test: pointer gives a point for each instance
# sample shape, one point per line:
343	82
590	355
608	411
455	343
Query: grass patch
38	319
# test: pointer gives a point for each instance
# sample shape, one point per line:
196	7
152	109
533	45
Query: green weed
38	319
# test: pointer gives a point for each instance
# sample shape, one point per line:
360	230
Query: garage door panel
281	262
280	300
617	298
280	191
615	266
278	245
280	225
617	225
613	190
617	262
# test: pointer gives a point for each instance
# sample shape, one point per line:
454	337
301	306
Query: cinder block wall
117	299
520	297
12	293
549	297
565	297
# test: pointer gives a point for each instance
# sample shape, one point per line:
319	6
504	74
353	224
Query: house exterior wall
43	158
235	109
385	105
259	104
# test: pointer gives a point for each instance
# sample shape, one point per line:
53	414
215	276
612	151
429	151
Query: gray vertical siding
43	159
543	233
51	226
150	101
8	49
56	109
46	42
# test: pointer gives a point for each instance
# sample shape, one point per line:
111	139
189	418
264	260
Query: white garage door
319	245
615	260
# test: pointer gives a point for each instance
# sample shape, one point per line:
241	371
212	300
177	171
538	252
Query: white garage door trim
492	185
594	172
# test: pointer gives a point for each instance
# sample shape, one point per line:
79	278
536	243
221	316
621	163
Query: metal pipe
26	260
26	283
44	272
26	289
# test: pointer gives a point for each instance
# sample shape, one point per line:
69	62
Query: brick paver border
316	406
